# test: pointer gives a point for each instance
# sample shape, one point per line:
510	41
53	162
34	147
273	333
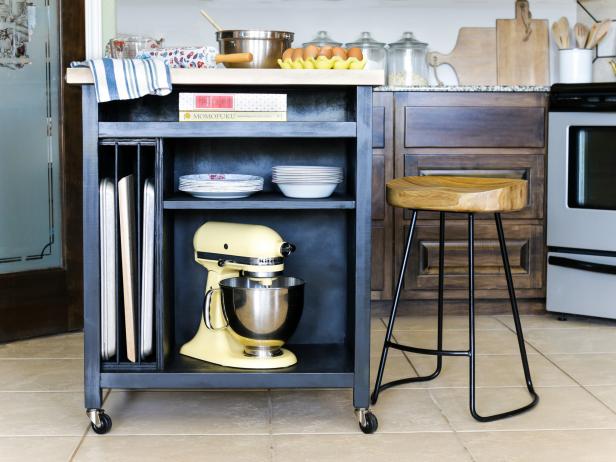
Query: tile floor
573	365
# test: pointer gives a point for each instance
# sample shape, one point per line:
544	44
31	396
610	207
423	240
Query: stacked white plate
307	182
220	185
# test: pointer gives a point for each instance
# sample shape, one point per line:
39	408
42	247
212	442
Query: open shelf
228	129
318	366
262	201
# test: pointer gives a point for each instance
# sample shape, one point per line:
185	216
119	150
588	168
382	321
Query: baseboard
459	307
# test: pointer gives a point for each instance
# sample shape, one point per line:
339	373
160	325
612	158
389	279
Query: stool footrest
426	351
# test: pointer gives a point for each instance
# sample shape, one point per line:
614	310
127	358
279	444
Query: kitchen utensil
265	46
263	313
556	36
473	58
581	35
575	65
407	61
211	21
598	33
522	49
248	332
195	57
322	39
129	47
375	52
565	32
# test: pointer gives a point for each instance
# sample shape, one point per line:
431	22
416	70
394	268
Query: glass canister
322	40
407	62
375	52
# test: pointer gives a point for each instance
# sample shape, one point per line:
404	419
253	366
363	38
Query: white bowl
307	191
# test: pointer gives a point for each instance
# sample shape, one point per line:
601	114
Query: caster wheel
105	425
371	423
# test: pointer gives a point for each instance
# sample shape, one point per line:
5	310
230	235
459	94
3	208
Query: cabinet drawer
524	244
474	127
529	167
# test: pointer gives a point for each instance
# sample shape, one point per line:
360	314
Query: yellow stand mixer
261	309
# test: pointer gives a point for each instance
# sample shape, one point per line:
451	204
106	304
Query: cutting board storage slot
128	209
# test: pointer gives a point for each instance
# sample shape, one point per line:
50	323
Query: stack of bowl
307	182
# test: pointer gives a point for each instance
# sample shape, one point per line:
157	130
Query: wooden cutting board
522	49
473	58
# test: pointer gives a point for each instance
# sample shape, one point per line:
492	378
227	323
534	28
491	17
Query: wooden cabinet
382	214
468	134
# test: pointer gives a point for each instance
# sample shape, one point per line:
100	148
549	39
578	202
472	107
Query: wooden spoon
556	35
600	31
211	21
581	35
564	31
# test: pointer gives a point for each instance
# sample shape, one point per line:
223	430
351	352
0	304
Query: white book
126	196
108	269
147	270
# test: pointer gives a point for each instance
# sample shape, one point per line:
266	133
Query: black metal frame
439	352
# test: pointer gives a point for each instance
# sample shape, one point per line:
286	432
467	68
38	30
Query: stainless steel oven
581	232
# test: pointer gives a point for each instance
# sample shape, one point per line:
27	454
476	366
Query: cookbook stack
232	107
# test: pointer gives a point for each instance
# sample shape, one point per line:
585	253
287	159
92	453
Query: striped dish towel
118	79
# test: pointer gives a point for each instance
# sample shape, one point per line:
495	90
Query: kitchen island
329	123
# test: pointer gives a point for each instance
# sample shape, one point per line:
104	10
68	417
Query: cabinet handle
582	265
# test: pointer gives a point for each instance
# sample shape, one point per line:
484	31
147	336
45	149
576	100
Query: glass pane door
592	167
29	160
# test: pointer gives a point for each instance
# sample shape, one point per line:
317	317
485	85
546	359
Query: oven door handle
582	265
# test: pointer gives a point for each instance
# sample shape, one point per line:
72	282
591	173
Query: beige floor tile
550	321
402	410
424	447
449	323
41	375
589	369
188	412
376	323
331	411
558	409
496	342
606	394
236	448
573	341
57	346
397	367
491	371
42	449
544	446
42	414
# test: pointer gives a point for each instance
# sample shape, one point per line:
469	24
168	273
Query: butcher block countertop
83	76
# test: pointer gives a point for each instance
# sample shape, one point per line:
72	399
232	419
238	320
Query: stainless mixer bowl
263	317
266	46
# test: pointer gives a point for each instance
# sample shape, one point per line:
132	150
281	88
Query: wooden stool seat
458	194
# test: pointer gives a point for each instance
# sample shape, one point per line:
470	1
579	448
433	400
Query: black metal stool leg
516	318
394	309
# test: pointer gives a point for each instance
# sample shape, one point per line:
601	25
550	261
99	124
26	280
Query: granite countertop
470	88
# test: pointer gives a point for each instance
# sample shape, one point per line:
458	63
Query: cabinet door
529	167
526	255
382	215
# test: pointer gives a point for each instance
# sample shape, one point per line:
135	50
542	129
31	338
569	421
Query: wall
435	21
599	10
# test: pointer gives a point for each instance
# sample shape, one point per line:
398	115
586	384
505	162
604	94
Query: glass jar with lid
323	40
375	52
407	62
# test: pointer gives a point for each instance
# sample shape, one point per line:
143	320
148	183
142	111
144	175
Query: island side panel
363	194
91	243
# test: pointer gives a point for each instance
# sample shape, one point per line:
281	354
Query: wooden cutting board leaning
516	52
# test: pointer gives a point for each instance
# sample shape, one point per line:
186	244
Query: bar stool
460	195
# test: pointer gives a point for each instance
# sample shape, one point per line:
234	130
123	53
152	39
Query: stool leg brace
440	352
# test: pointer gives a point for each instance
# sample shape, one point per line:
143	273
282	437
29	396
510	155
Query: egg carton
323	62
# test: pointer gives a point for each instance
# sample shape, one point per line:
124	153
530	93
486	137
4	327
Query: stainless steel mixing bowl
263	314
266	46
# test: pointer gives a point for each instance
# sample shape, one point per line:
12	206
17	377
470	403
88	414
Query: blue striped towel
118	79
